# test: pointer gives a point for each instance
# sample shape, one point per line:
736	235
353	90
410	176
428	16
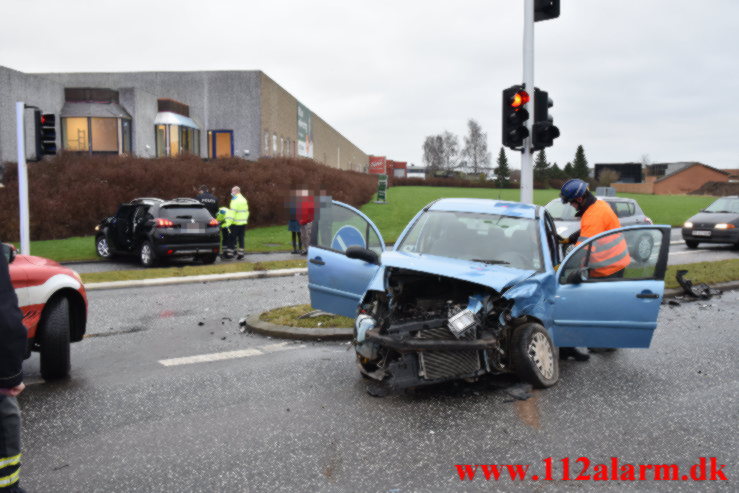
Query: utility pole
527	168
20	109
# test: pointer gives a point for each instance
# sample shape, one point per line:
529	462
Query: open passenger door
337	282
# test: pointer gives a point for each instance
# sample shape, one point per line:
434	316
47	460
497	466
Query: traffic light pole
20	109
527	167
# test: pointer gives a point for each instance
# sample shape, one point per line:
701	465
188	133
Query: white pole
20	109
527	168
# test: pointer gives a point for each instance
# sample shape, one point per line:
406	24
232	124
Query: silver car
627	210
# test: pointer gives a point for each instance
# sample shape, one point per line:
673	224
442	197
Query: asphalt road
679	254
290	416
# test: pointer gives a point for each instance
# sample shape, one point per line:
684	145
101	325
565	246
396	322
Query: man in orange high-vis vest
609	255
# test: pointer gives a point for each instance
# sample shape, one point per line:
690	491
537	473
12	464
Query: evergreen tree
568	170
580	164
556	172
541	168
502	171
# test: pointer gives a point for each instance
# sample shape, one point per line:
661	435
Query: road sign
347	236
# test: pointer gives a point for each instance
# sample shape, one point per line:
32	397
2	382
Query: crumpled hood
498	277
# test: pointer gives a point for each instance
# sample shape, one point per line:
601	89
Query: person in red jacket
13	340
306	212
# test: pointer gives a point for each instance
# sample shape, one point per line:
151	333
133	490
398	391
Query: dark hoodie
12	332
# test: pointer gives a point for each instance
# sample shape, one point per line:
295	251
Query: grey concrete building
209	114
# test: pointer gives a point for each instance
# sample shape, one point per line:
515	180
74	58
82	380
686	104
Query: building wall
32	90
227	100
280	117
688	180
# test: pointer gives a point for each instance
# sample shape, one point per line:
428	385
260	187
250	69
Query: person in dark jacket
292	224
207	199
13	340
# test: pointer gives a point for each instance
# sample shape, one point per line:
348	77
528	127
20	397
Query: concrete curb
166	281
323	333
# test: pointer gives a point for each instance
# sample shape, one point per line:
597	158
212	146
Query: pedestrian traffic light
45	133
515	116
545	10
544	131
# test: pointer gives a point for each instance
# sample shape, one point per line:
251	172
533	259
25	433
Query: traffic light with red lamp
45	124
515	116
543	129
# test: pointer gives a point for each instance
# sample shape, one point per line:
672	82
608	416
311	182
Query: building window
173	140
75	133
274	144
265	149
96	135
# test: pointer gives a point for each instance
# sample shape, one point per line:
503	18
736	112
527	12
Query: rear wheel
147	255
691	244
208	259
643	248
534	357
54	339
103	247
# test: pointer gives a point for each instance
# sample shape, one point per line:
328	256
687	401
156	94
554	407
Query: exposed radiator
444	364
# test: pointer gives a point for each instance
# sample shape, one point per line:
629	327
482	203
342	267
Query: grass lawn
288	315
189	270
391	218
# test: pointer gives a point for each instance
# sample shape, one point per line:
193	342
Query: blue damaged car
476	286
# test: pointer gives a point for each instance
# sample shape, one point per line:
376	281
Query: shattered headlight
460	322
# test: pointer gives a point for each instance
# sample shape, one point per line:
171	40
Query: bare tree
608	176
450	151
432	153
476	149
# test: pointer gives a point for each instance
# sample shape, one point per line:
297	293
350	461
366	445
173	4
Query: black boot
574	353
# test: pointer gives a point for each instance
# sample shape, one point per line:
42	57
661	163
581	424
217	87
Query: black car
717	223
156	229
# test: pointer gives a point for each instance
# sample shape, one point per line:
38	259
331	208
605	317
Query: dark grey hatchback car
156	229
717	223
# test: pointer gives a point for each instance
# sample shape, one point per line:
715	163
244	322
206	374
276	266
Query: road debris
702	290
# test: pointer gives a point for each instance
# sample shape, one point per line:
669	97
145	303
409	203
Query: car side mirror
362	254
10	252
578	276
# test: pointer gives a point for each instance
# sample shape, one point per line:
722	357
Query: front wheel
691	244
103	247
54	340
147	255
534	357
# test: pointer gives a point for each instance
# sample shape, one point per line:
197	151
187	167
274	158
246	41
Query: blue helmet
573	189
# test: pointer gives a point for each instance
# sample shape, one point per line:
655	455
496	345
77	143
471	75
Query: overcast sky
629	78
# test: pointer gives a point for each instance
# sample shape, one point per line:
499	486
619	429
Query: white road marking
677	243
681	253
241	353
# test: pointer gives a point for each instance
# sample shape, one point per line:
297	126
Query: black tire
643	248
691	244
53	339
535	359
208	259
146	255
102	247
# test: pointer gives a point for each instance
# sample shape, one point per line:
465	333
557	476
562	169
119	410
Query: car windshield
724	204
486	238
560	211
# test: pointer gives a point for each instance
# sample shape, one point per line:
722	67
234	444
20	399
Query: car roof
485	206
615	199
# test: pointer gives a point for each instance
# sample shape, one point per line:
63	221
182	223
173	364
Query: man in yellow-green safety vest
241	216
225	218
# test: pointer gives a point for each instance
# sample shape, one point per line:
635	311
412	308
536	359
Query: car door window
339	228
627	255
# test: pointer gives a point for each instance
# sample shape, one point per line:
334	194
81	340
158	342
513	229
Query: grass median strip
289	315
707	272
189	270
